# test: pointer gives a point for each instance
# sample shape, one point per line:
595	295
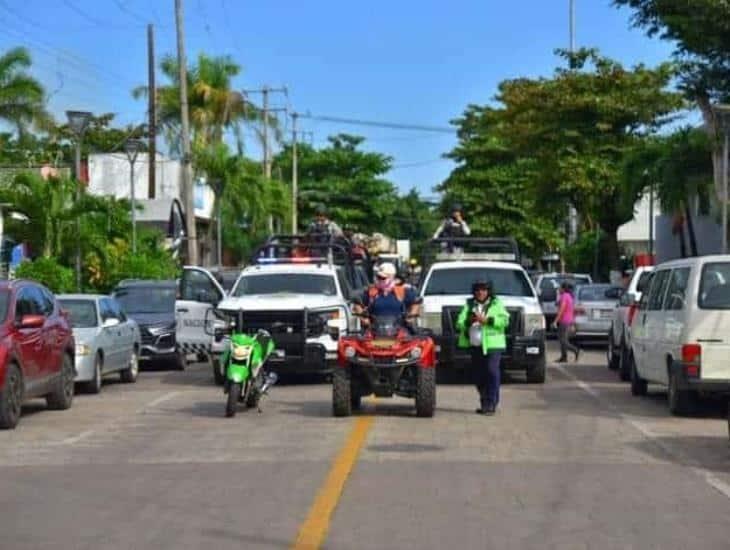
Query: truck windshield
147	299
507	282
286	283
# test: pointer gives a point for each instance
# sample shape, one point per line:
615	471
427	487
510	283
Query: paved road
577	463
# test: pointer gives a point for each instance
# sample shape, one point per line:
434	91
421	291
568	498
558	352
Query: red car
36	350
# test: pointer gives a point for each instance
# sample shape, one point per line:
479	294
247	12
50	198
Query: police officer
482	324
454	226
322	225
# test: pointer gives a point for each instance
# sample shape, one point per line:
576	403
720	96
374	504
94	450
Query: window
117	309
24	304
147	299
106	310
81	312
677	289
507	282
593	293
658	290
4	302
198	287
286	283
643	282
715	286
345	286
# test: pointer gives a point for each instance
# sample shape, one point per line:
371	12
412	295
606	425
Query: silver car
107	340
594	308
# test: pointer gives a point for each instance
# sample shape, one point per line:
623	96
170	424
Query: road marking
152	404
711	479
75	439
314	529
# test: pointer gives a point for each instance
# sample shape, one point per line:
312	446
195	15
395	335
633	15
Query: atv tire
341	392
234	391
356	401
426	392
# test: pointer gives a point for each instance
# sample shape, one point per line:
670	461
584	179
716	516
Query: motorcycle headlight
240	353
534	322
416	353
82	349
350	352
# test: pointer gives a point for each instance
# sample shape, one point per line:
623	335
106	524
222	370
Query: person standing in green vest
482	324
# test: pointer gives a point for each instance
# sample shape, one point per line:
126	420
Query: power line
124	8
418	163
91	19
380	124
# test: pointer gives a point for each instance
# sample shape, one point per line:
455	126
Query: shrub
49	272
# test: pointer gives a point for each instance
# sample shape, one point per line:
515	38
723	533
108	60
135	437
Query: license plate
383	343
606	313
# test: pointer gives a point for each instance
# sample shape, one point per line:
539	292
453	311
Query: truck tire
218	375
341	392
536	374
638	384
11	398
62	395
624	368
232	403
681	402
426	392
613	353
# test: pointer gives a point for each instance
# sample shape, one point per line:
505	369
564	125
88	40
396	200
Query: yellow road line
314	529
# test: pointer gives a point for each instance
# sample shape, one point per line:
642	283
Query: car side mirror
111	322
32	321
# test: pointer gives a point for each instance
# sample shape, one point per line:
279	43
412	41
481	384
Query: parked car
547	285
152	305
680	337
619	338
36	350
594	307
107	341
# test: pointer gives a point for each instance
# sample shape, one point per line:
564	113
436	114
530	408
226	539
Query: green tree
22	97
494	185
349	181
578	126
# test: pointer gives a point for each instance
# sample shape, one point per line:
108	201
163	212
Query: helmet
481	284
456	207
320	210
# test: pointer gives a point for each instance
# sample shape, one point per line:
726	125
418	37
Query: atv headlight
416	353
350	352
534	322
240	353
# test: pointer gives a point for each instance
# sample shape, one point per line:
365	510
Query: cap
386	269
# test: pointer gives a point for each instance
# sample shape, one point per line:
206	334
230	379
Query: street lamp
77	123
722	112
132	147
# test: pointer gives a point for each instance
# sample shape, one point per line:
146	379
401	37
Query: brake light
580	311
692	359
633	308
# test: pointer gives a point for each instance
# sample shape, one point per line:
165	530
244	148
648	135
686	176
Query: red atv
385	359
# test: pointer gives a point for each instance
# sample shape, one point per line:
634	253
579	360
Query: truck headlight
165	329
534	322
82	349
416	353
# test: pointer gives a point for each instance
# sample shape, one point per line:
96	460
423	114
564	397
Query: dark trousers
486	375
564	336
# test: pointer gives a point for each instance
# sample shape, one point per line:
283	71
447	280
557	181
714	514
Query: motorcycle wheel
234	393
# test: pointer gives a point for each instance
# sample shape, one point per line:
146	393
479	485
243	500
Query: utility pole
152	125
572	26
294	176
572	212
187	176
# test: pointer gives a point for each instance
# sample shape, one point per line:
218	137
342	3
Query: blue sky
408	61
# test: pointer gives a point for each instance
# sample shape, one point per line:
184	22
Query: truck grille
286	328
146	337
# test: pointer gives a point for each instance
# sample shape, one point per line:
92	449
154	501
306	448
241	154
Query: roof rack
500	249
300	249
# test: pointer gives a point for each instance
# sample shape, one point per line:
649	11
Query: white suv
680	336
447	286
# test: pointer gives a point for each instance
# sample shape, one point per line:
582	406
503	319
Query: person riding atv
386	298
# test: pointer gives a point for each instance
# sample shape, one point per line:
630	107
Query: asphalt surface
576	463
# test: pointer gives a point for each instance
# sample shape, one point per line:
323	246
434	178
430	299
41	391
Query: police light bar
308	260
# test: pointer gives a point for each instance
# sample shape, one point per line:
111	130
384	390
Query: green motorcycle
246	379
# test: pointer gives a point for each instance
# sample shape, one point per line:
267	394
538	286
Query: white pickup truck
444	291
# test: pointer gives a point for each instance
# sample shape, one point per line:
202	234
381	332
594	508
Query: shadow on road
710	453
245	540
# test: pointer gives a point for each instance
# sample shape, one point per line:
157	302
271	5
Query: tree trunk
691	231
711	126
610	249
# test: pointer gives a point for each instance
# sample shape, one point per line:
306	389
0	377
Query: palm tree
214	105
22	98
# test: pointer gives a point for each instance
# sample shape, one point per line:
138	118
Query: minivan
680	337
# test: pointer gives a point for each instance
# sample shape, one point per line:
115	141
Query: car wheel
129	375
426	392
624	368
681	402
638	384
180	361
94	385
234	392
11	398
341	392
612	353
218	375
536	374
63	394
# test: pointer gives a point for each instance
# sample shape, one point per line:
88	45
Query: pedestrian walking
565	322
482	324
